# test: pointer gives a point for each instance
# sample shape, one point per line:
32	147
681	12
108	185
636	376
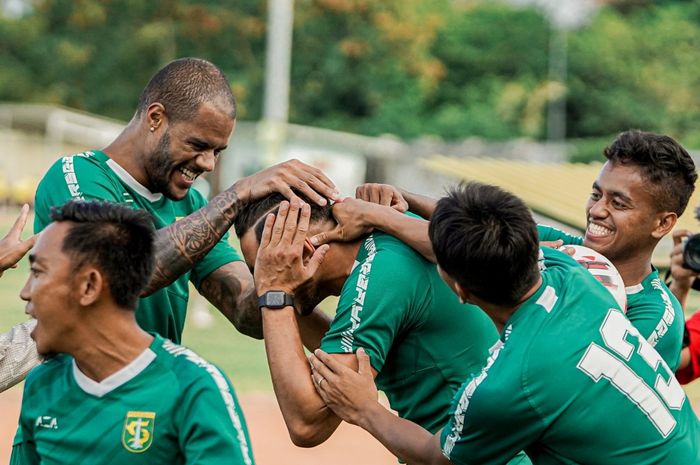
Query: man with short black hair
111	392
570	380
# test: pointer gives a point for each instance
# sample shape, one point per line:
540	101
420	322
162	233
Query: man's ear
463	294
156	117
665	223
308	251
90	285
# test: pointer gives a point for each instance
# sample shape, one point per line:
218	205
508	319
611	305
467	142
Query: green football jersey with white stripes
168	406
93	175
651	306
572	381
421	340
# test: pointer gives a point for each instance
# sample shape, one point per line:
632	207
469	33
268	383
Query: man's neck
500	314
106	345
634	269
127	151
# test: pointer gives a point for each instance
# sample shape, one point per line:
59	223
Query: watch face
275	299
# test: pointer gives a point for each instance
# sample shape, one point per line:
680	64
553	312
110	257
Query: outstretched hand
306	179
350	394
12	248
279	265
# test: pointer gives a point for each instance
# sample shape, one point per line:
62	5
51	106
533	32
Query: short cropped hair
250	215
114	238
183	85
486	239
663	162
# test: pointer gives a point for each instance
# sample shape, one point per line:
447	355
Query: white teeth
597	230
190	175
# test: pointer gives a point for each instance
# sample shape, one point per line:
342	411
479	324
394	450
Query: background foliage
446	68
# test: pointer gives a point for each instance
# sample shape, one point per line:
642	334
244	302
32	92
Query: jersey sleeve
659	318
491	419
548	233
212	426
377	303
221	254
72	177
23	446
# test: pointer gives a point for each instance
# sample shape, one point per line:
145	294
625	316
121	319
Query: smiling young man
183	122
109	391
642	189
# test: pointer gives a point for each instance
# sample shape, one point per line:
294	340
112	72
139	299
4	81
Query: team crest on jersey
137	435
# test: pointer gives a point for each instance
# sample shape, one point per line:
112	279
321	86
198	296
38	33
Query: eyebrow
202	143
620	195
34	259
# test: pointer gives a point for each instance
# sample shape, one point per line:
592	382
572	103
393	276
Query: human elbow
307	435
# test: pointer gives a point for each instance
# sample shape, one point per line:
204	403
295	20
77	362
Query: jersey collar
113	381
133	183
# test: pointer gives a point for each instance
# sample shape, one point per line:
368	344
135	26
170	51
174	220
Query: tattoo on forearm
224	290
183	243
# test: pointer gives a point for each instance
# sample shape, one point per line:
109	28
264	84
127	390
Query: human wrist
242	190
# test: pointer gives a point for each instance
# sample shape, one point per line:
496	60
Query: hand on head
279	265
310	181
382	194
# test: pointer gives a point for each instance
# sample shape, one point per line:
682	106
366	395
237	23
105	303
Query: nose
597	209
206	161
24	294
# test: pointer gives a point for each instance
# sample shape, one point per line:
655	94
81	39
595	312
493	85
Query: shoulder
48	370
189	368
76	163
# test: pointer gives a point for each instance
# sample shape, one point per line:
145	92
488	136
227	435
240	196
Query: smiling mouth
188	174
598	230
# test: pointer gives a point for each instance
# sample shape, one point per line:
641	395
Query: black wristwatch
275	300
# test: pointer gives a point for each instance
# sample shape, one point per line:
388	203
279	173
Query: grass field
241	357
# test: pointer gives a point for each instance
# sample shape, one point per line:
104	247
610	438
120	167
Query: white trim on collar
637	288
133	183
116	379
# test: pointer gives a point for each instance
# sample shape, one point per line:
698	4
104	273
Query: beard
159	168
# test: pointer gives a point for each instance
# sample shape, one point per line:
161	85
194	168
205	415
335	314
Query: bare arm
421	205
183	243
230	289
353	397
280	266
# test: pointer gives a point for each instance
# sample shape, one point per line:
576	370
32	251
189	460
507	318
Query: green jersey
420	339
572	381
651	306
168	406
93	175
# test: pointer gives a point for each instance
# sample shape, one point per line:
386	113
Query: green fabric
420	339
191	410
90	175
547	386
651	306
